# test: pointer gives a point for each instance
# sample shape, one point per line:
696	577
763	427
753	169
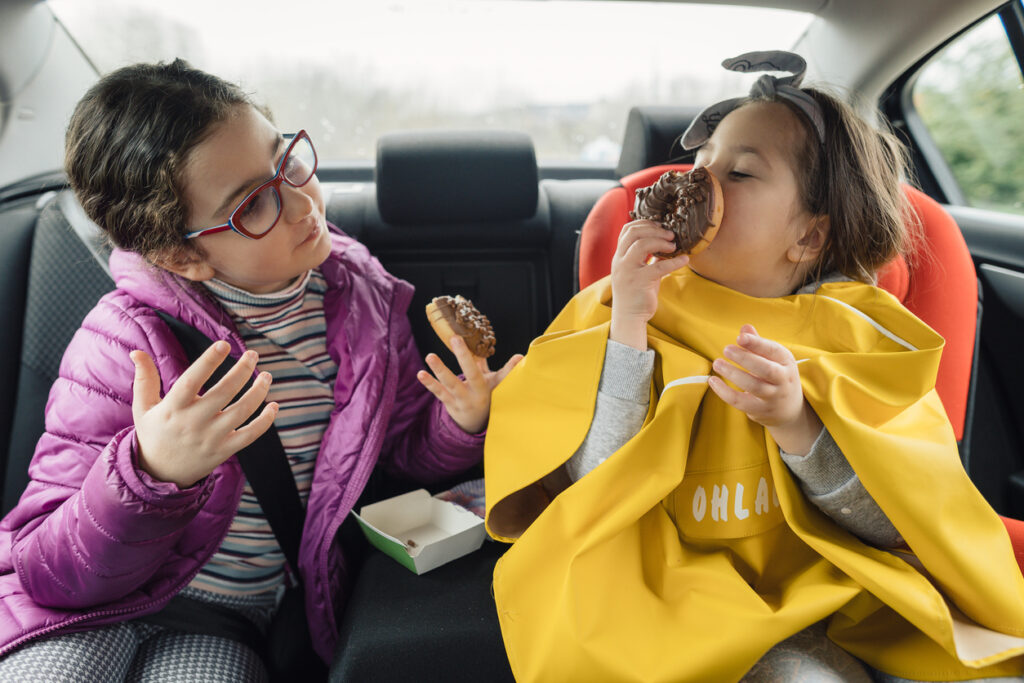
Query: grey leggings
137	652
132	651
810	657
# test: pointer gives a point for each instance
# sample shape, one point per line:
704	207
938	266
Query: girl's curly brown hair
127	143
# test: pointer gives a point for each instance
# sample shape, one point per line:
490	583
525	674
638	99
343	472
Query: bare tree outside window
971	99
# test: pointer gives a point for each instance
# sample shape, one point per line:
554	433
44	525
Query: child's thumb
146	386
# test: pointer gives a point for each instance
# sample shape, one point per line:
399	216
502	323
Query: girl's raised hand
635	282
468	400
184	436
769	389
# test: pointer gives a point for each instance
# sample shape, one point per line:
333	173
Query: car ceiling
844	45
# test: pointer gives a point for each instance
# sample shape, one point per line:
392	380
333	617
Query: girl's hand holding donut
636	280
183	437
769	390
468	401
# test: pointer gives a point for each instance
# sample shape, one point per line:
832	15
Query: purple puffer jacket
94	540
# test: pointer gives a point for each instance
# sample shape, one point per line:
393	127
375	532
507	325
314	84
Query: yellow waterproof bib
691	551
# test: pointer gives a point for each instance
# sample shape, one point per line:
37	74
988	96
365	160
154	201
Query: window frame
932	172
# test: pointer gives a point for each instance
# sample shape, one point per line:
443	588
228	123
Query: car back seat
652	137
61	282
17	223
463	212
457	213
465	215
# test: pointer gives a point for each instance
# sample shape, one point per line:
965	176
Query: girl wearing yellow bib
713	467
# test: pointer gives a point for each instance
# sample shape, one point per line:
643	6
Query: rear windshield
566	73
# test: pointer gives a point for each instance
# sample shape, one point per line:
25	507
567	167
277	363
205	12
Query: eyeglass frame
275	183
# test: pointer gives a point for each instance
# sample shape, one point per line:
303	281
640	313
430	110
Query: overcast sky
558	51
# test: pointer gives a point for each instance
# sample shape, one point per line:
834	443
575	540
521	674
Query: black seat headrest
652	138
432	177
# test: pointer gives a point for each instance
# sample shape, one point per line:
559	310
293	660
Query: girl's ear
808	247
185	263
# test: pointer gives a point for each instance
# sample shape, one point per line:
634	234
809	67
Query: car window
566	73
970	97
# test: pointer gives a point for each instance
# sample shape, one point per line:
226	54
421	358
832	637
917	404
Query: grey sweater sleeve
622	399
831	484
825	474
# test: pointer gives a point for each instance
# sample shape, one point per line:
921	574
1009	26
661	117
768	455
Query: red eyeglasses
261	209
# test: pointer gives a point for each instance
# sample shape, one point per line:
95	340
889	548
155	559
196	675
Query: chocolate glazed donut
690	204
456	316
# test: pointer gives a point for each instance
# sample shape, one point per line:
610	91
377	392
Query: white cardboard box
419	531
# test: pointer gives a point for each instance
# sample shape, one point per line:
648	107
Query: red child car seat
939	285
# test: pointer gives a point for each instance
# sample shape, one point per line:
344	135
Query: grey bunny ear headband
765	87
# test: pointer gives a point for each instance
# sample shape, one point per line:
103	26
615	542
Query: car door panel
996	243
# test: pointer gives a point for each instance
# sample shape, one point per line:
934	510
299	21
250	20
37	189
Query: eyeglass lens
260	211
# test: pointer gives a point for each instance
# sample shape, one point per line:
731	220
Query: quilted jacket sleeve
90	526
422	441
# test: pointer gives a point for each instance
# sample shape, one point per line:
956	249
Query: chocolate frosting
469	323
682	202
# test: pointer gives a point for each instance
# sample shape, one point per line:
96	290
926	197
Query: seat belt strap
264	461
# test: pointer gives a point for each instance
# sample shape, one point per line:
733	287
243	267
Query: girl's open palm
468	401
183	436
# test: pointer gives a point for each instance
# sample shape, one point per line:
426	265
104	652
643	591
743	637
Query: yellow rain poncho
691	551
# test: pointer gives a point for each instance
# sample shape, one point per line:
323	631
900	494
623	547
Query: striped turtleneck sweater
287	329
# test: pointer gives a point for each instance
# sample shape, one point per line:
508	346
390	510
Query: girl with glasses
219	221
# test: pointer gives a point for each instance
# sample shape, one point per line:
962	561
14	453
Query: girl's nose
297	202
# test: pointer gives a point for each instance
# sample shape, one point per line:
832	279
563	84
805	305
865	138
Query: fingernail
221	346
